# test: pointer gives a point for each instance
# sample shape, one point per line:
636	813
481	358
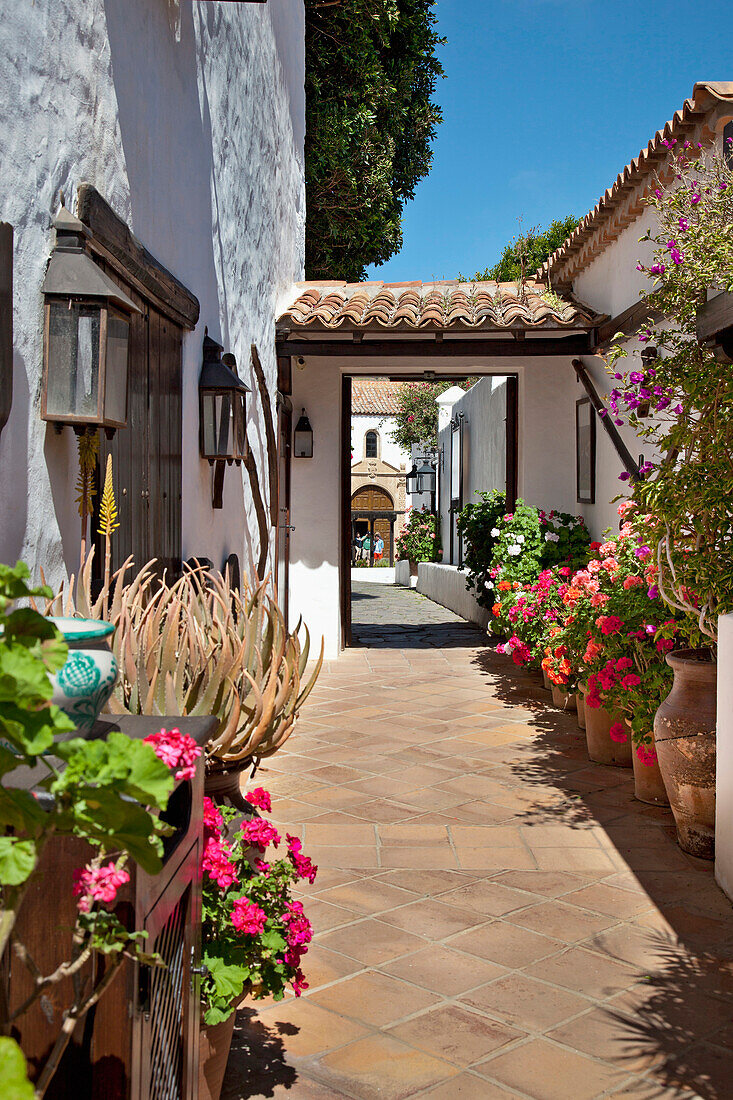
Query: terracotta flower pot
580	704
546	682
601	748
648	783
684	734
214	1043
562	699
413	567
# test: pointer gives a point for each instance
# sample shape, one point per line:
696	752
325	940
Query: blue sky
544	102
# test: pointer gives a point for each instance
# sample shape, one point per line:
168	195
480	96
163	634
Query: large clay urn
684	736
601	748
580	704
648	783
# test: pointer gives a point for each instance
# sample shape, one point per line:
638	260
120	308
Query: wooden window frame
591	496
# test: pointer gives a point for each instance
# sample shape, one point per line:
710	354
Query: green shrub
420	540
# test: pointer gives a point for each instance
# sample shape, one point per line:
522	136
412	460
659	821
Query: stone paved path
496	917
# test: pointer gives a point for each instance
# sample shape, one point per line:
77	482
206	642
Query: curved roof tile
447	305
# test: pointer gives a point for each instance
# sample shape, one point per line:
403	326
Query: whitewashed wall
388	450
610	284
189	118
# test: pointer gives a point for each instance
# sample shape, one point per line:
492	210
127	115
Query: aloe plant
197	646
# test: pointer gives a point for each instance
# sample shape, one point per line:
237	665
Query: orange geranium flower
496	609
504	586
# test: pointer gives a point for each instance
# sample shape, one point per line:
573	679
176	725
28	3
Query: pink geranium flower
97	884
618	733
260	798
260	834
247	917
176	750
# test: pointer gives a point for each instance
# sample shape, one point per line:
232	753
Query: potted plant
197	646
686	489
419	539
105	792
254	932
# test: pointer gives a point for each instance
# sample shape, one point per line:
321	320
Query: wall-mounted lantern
86	336
425	477
303	438
222	414
411	479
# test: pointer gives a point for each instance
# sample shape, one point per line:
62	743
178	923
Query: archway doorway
373	517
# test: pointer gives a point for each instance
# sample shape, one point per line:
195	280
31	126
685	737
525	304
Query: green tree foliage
534	246
416	419
370	72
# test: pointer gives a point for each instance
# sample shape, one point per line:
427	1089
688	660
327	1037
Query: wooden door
284	451
146	455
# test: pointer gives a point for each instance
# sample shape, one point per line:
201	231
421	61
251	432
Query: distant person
378	547
366	546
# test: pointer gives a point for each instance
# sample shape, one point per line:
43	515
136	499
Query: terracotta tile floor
495	917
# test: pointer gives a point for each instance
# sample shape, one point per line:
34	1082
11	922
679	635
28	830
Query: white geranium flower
552	537
520	538
495	532
488	584
512	551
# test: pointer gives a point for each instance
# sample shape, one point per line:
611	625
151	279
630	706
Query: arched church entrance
372	514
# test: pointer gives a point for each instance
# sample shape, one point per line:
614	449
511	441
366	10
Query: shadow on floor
683	1014
257	1065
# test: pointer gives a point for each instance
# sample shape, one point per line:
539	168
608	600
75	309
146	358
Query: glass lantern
303	438
86	336
425	477
222	408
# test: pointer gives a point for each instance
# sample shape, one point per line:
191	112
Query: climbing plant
526	252
371	70
416	419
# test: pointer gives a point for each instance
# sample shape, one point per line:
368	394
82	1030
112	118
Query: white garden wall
446	585
189	118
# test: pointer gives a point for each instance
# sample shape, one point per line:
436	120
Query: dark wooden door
146	455
284	450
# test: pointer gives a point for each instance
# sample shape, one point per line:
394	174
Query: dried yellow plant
197	646
108	524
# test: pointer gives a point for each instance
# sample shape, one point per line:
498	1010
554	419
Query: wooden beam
628	322
714	317
269	432
345	519
512	441
112	239
605	418
284	375
6	322
422	349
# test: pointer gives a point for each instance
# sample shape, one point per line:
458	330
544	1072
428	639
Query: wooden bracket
217	490
604	416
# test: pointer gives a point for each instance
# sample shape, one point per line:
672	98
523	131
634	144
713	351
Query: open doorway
393	482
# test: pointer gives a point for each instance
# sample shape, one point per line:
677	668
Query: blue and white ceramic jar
87	679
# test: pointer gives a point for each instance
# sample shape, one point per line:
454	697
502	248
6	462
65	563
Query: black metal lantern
222	407
222	414
425	477
86	336
411	480
303	438
648	355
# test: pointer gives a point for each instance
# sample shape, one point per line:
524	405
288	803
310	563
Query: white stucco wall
188	117
387	449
